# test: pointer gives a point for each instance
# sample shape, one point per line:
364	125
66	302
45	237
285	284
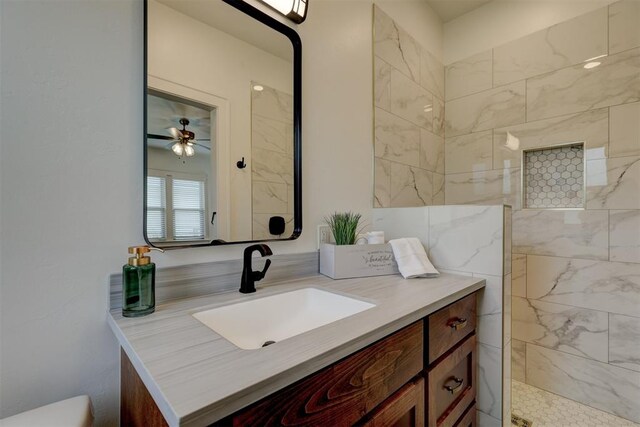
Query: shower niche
553	177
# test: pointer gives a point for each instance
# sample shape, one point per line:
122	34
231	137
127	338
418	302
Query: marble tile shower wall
575	274
409	119
271	160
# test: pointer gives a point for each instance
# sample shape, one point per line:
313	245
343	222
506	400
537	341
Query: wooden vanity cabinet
422	375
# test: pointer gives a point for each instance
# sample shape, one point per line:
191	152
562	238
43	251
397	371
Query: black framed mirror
222	129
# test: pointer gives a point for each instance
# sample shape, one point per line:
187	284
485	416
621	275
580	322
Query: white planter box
346	261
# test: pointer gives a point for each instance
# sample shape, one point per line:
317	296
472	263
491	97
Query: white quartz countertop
197	377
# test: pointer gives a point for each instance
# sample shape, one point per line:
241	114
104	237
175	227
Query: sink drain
266	343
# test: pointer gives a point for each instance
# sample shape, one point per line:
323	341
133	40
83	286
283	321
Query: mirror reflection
220	114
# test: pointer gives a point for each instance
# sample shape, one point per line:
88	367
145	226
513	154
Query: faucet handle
259	275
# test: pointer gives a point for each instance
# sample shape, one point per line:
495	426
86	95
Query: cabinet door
404	409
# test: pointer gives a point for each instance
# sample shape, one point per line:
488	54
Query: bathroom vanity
409	360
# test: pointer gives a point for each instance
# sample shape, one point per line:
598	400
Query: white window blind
176	206
188	209
156	207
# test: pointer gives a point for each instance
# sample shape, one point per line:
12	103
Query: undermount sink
252	324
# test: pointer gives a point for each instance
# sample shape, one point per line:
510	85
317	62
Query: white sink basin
250	324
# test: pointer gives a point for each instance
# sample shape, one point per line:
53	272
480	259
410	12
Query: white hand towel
412	259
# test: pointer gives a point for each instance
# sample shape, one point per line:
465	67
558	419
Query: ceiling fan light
178	148
295	10
189	150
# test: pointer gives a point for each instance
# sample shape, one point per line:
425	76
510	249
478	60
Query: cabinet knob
458	323
453	388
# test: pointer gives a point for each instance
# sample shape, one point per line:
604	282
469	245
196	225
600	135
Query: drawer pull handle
454	388
458	323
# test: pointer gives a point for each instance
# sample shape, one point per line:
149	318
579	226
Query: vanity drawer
451	385
469	418
341	394
450	325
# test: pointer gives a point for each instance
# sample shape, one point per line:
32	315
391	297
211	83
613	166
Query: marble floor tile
624	235
269	134
590	127
410	186
431	152
602	386
272	166
575	89
438	189
469	153
579	234
561	45
467	76
273	104
517	360
410	101
564	328
623	25
431	73
484	187
519	275
394	45
269	197
489	388
382	84
396	139
382	179
438	116
490	302
598	285
493	108
546	409
471	235
624	341
625	130
613	183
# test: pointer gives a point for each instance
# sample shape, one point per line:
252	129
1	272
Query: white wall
501	21
72	156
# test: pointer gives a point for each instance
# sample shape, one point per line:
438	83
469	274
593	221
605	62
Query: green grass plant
344	226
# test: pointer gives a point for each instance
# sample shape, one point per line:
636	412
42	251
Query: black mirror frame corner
296	43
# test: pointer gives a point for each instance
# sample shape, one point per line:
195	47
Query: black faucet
250	277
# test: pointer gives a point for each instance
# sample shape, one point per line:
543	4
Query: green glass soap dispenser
139	283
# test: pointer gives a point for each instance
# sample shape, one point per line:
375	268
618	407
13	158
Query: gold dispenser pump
140	258
138	283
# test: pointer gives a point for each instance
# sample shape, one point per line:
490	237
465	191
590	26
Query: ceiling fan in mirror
183	140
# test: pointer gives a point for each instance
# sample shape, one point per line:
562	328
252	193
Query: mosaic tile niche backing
554	177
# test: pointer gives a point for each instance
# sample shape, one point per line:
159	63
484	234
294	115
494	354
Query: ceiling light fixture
295	10
258	88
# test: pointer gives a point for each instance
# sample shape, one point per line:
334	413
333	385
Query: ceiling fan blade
202	146
202	139
175	133
164	137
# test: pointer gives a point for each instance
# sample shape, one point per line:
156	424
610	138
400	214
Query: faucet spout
250	277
